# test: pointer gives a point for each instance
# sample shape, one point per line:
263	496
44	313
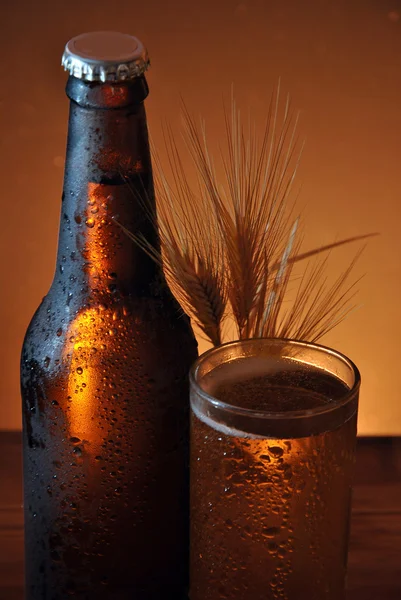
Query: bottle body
106	453
104	382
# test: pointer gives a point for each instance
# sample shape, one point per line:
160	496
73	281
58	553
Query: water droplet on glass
80	370
276	451
90	222
59	332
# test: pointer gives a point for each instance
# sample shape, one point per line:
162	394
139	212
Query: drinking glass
273	432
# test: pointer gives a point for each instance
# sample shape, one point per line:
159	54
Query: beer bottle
105	361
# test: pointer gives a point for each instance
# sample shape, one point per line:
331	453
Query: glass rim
275	415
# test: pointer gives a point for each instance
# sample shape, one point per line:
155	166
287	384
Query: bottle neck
108	180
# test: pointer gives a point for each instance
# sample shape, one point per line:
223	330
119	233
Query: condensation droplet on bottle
272	547
75	440
59	332
90	222
270	532
80	370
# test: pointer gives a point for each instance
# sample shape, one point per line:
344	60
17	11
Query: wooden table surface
375	548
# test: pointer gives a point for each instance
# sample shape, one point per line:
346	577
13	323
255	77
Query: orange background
340	61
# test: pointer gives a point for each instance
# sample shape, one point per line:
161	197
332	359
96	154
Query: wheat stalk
249	205
191	253
229	245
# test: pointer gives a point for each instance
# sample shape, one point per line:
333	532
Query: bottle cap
105	56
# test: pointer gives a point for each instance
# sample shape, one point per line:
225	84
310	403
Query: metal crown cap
105	56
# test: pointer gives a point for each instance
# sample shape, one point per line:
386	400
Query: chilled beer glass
273	431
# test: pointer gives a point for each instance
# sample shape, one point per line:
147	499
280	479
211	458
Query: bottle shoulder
137	325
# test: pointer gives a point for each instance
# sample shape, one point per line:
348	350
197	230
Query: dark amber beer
273	437
105	361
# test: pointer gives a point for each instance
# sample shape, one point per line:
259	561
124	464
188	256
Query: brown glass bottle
104	364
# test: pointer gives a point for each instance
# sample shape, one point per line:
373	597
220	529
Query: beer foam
243	369
224	429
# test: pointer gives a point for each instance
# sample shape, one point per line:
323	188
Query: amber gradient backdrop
341	62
